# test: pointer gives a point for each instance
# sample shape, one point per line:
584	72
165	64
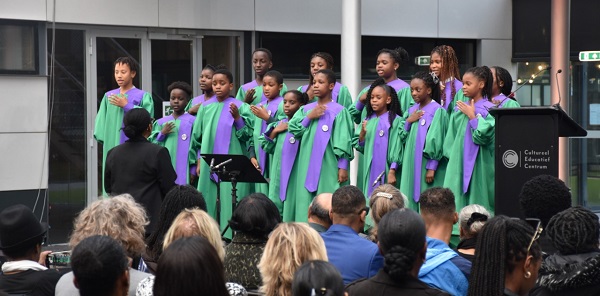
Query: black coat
143	170
577	274
382	285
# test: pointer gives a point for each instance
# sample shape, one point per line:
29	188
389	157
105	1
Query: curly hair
119	217
574	231
288	247
393	107
543	197
192	222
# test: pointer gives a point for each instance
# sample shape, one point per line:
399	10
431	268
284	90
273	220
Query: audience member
21	237
120	218
507	260
471	219
542	197
318	212
348	213
252	221
574	268
444	268
317	277
289	246
384	199
100	267
402	243
177	199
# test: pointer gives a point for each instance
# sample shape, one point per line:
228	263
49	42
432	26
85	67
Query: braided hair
177	199
393	107
574	231
431	82
483	73
402	241
449	66
501	244
504	76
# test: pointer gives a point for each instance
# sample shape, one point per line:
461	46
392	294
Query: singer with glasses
508	258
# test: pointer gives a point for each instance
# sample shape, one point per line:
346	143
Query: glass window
18	48
533	84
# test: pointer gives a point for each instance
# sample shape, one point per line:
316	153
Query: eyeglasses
366	209
538	231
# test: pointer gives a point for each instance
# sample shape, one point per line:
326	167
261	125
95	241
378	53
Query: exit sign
588	56
423	60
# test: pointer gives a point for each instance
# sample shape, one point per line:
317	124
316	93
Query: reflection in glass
171	61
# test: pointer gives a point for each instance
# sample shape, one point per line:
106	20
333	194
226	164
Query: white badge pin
184	137
422	121
381	132
325	128
269	112
292	140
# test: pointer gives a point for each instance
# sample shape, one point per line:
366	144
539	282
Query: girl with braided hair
502	95
507	260
426	125
444	64
340	93
402	243
574	269
380	137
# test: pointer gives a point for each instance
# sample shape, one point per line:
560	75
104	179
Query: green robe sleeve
459	96
156	128
356	140
295	125
451	134
197	130
100	125
434	141
241	94
355	112
268	144
406	99
344	98
341	136
147	103
510	103
397	138
245	133
484	133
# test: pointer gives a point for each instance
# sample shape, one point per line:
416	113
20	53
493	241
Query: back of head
317	277
98	262
574	231
504	80
402	241
195	222
319	208
544	196
472	218
384	199
20	232
255	215
347	201
135	122
177	199
118	217
288	247
437	204
186	257
502	243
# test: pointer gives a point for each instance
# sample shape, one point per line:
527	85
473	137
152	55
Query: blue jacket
354	256
444	269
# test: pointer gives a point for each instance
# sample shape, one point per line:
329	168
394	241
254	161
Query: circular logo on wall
510	158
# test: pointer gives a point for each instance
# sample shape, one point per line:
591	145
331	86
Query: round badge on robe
325	128
184	137
269	112
381	132
422	121
292	140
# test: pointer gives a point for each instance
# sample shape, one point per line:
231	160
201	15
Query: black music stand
231	168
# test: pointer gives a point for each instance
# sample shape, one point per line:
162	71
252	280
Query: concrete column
559	60
351	52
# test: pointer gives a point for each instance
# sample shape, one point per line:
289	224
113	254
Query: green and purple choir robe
283	167
178	143
197	100
506	102
382	149
325	146
358	113
423	151
259	96
218	133
109	120
469	147
275	111
340	94
447	100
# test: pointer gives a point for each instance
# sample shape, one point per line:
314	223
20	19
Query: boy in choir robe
340	93
262	62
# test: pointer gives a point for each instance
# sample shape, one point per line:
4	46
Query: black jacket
381	285
143	170
577	274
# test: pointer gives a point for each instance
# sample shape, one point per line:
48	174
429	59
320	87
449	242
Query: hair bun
476	217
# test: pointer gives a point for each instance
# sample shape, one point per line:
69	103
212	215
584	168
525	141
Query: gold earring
527	274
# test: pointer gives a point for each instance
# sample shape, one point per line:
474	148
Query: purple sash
186	121
448	91
272	106
502	98
422	129
471	149
321	140
380	149
250	85
224	127
334	93
398	84
288	156
134	98
200	99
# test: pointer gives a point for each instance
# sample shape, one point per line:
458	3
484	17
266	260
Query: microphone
512	94
557	105
223	163
378	179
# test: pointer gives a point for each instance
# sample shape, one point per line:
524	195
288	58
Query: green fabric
509	103
397	136
109	120
241	94
433	149
481	186
170	142
344	97
340	146
459	96
203	140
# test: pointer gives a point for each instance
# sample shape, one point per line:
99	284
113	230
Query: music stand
231	168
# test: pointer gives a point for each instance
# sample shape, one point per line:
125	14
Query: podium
527	146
